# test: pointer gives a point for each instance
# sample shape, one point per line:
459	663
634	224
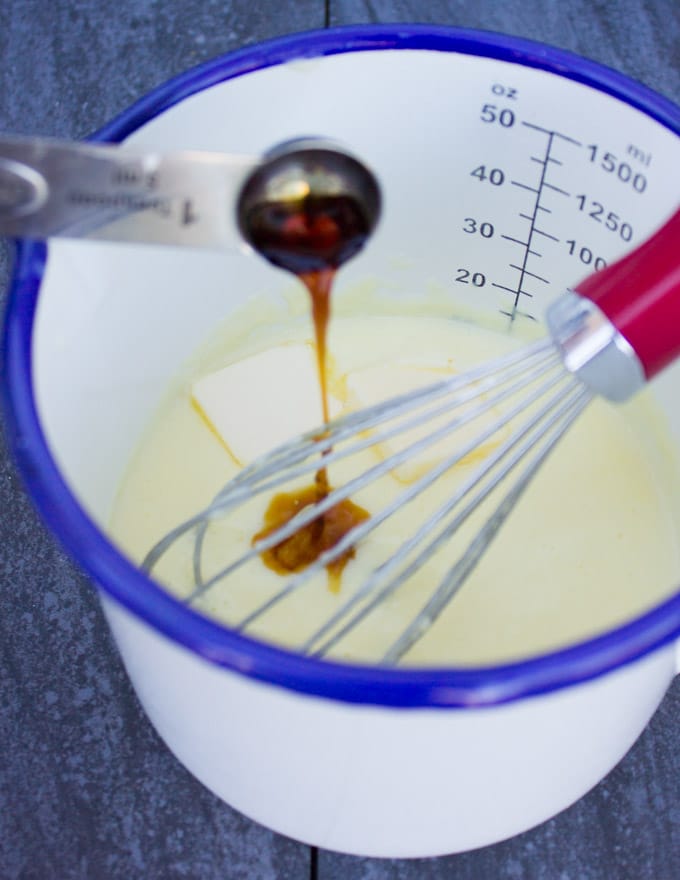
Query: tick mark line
512	290
557	189
543	161
523	243
546	234
524	186
525	271
538	208
549	131
516	312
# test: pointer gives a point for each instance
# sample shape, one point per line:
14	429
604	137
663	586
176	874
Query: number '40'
493	175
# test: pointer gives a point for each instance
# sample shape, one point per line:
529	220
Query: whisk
617	329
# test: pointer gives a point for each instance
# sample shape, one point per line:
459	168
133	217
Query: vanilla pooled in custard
593	541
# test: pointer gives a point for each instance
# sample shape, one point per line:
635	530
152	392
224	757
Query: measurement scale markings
553	134
557	189
512	290
516	312
524	186
529	217
543	161
523	243
546	234
525	271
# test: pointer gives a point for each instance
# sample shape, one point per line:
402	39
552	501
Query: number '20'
465	276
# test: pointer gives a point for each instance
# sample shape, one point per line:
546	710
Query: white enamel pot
378	762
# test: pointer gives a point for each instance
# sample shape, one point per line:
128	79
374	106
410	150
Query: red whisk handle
640	294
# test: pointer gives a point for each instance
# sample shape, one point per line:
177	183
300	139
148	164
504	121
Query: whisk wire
458	574
357	534
312	512
536	424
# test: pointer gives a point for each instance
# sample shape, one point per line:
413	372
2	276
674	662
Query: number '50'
503	116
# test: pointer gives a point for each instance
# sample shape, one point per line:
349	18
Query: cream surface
593	542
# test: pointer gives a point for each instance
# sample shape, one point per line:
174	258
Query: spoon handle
119	193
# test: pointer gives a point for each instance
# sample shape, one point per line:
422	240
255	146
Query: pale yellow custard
592	543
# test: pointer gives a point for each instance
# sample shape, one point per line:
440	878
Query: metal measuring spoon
126	194
310	206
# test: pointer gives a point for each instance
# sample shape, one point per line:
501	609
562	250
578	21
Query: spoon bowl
309	206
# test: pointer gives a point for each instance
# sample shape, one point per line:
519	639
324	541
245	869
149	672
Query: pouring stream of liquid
311	235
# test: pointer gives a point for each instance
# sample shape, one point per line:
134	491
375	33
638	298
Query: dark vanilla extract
312	239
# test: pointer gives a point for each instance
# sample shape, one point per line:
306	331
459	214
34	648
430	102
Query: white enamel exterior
377	781
113	324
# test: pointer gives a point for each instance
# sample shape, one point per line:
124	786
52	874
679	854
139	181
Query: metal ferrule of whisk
593	349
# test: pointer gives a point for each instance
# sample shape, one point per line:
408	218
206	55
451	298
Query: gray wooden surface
87	790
